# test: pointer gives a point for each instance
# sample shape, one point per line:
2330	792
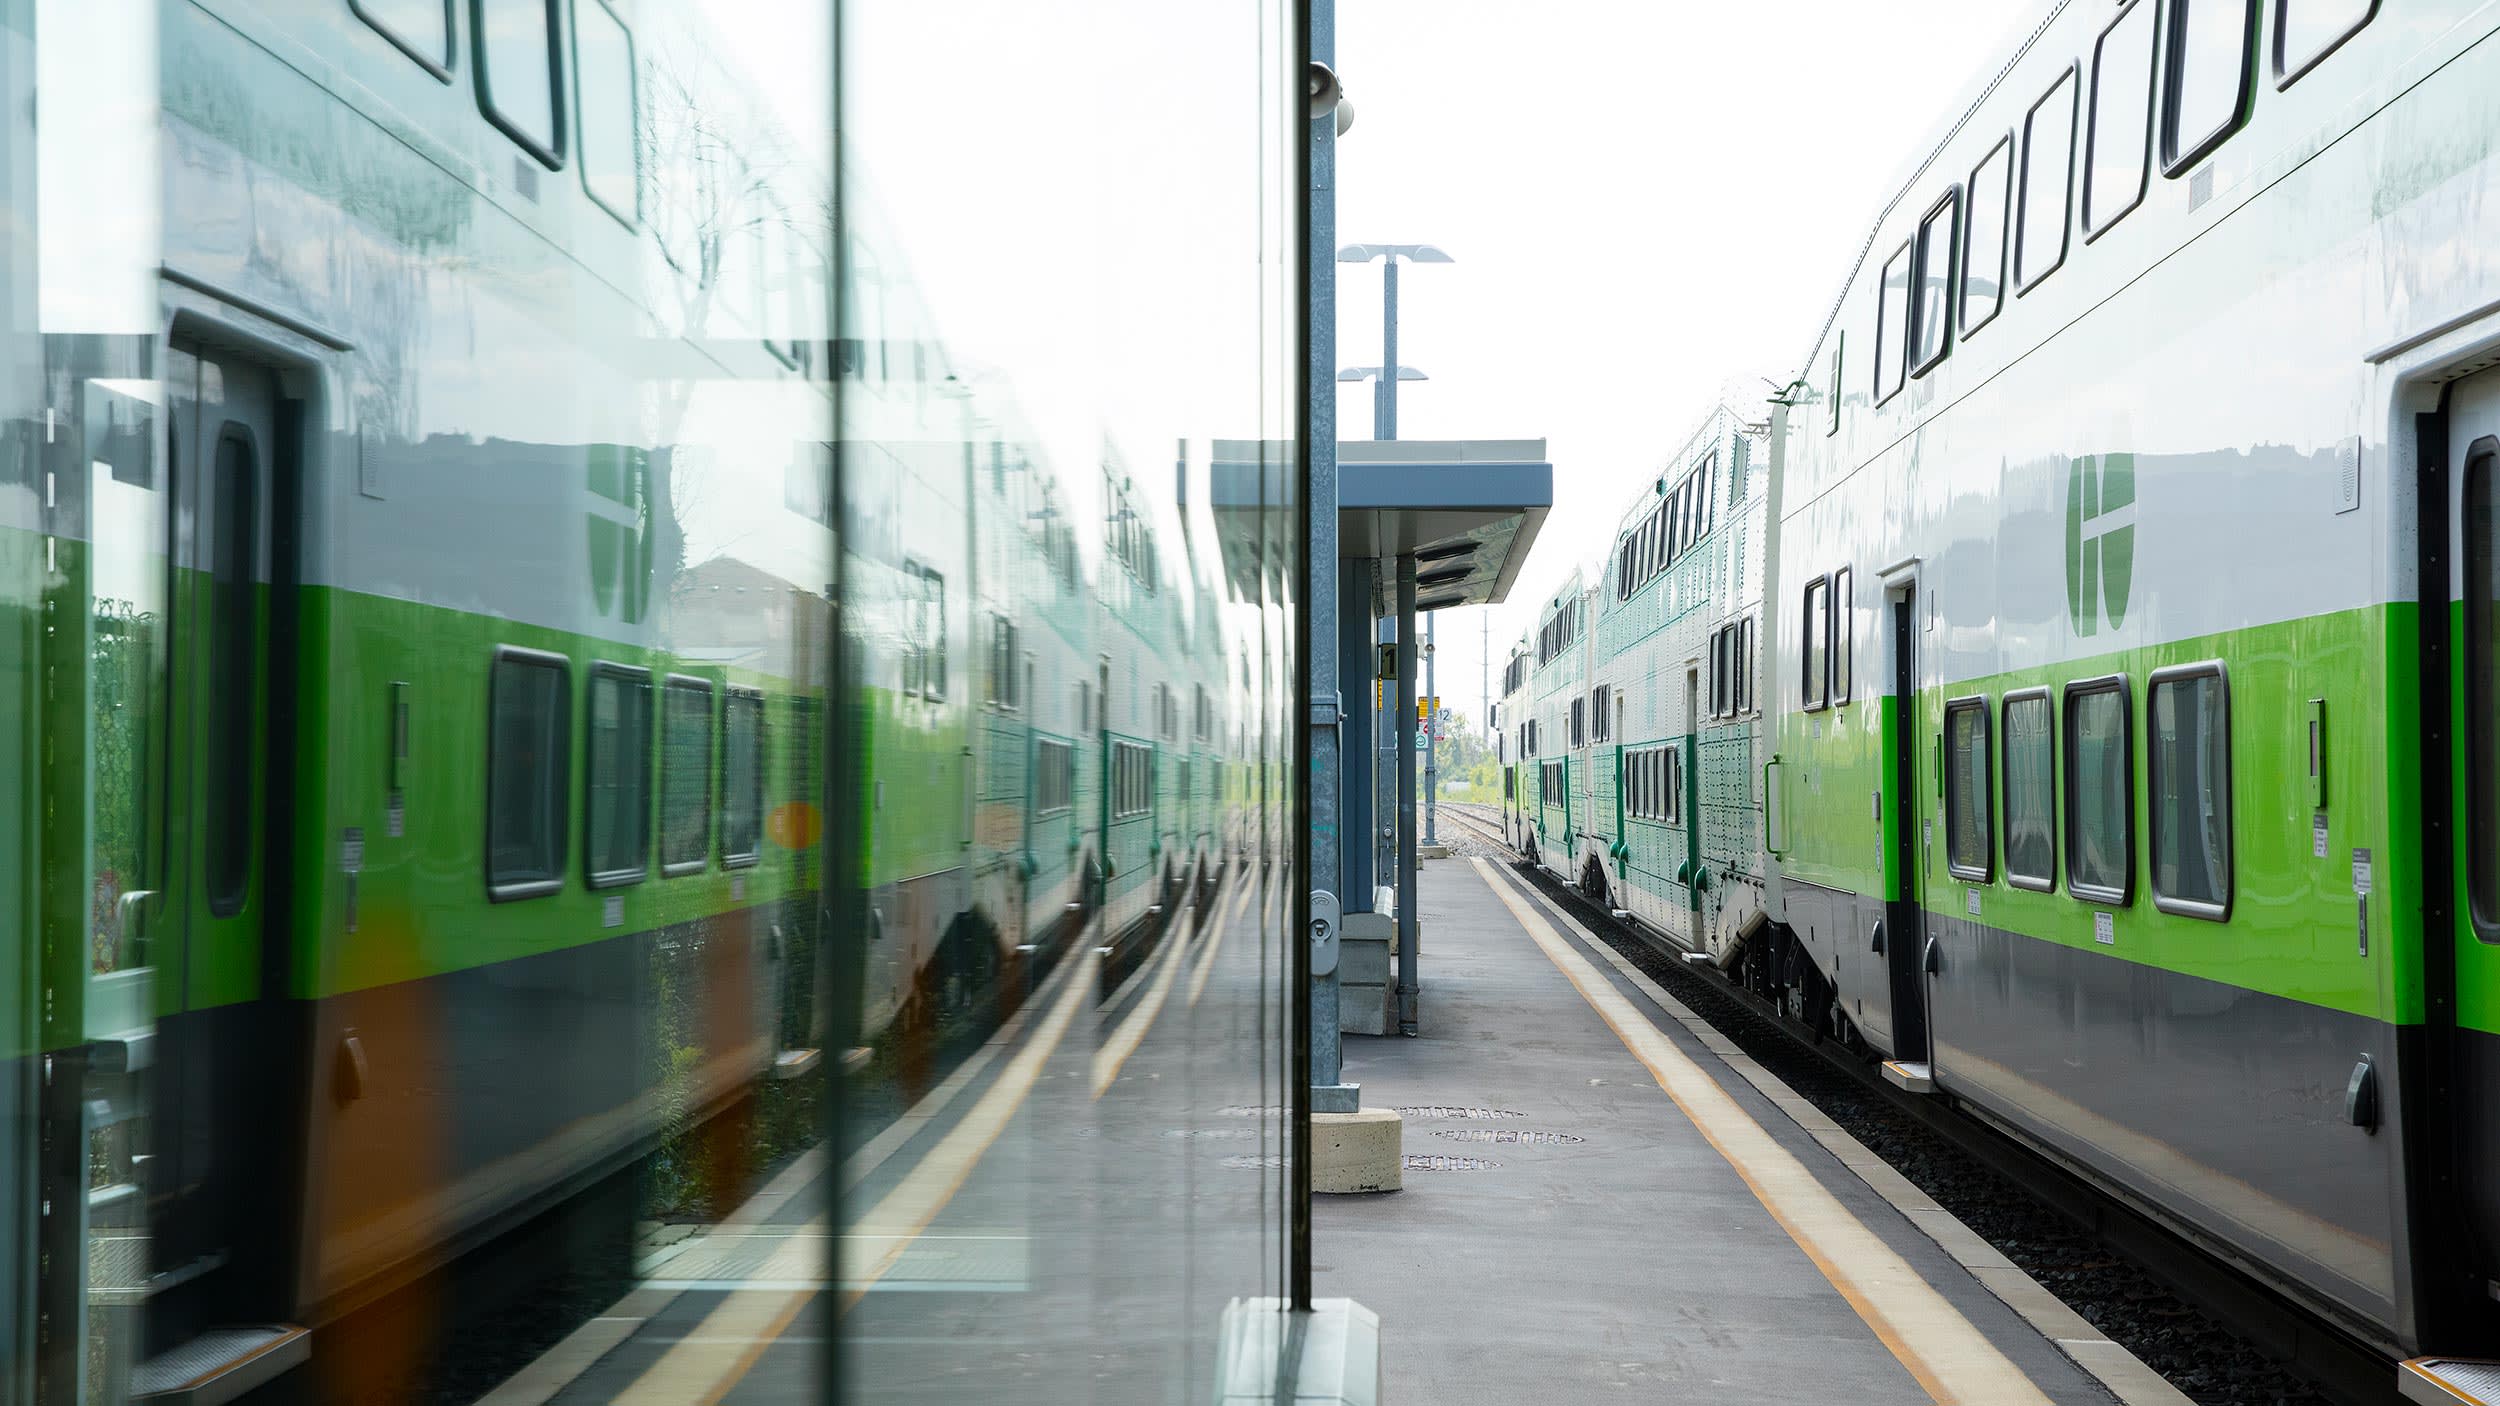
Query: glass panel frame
2172	680
439	63
1892	325
2044	806
2478	665
1963	791
1932	283
548	147
2182	146
1814	638
2070	84
2086	873
510	877
685	825
2289	66
741	761
598	869
2100	216
1979	200
1842	644
598	174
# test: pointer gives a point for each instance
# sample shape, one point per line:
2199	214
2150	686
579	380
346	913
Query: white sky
1647	199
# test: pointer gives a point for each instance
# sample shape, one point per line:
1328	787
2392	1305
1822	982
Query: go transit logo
2100	539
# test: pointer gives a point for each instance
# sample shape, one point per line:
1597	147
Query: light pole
1386	419
1383	411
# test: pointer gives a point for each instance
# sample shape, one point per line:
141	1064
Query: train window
1006	672
234	655
518	80
1968	826
1510	783
1671	767
1817	637
1579	722
1132	779
1844	646
2187	714
2481	667
1054	776
421	29
741	778
2208	63
603	62
1719	671
1601	712
2119	144
2048	190
2030	792
529	748
2306	31
928	648
2100	791
1745	668
1840	344
685	774
1892	326
1983	246
616	804
1931	311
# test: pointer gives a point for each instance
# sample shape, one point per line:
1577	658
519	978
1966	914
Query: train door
229	1084
1906	940
1691	800
2460	546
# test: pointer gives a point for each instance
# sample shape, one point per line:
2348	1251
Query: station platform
1606	1200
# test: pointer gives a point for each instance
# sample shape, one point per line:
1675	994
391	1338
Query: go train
2086	698
464	611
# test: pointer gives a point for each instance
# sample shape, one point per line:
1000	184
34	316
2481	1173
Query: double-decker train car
2125	590
1514	742
1556	714
1673	835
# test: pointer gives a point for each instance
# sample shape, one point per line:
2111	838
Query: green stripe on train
2294	925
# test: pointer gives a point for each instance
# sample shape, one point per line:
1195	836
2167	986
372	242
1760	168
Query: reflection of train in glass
419	775
2113	753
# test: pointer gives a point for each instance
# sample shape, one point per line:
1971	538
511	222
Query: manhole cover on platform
1247	1163
1519	1136
1443	1110
1442	1162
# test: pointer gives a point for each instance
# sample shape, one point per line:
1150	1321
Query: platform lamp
1384	404
1385	399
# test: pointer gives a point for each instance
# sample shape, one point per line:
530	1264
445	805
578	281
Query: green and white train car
2134	690
1672	835
1558	805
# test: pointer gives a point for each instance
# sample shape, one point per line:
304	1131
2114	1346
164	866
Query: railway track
2304	1348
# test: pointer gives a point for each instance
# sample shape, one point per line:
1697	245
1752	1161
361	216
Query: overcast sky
1647	199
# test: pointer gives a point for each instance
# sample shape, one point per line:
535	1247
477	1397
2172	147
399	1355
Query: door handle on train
1878	946
125	916
1767	831
1933	961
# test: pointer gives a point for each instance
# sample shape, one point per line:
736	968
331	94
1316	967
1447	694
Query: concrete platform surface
1615	1210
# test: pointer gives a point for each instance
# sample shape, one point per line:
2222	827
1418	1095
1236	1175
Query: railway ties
1602	1193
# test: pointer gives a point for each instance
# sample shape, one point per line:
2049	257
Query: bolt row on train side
444	637
2080	687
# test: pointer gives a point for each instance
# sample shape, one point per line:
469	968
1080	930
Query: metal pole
1407	926
1432	736
1388	399
1316	653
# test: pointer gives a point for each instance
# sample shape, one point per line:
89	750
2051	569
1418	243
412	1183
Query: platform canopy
1468	510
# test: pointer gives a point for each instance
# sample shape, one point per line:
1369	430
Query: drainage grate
1515	1136
1442	1162
1442	1110
1246	1163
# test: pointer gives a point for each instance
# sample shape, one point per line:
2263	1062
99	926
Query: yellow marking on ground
1950	1358
1206	959
1132	1028
711	1360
